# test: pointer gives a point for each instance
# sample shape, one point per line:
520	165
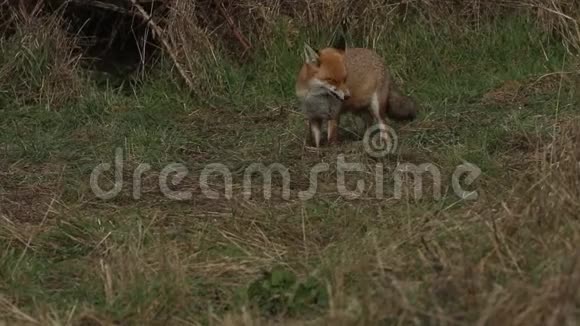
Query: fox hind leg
375	108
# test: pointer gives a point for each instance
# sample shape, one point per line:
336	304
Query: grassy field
503	98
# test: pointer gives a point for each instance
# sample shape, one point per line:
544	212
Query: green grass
69	256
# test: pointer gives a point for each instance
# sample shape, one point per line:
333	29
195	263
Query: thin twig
245	43
158	33
101	5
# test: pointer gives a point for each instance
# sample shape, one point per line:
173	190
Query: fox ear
340	42
310	55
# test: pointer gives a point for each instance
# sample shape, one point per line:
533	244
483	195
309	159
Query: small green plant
279	292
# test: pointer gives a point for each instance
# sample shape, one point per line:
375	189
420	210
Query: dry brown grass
197	30
233	21
39	62
193	46
527	271
511	260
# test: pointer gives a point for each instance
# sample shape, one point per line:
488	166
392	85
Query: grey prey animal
320	104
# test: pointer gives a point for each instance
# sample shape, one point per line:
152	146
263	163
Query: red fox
359	78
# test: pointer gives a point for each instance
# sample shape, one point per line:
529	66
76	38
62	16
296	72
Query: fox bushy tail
401	107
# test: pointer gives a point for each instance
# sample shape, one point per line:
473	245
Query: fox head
325	68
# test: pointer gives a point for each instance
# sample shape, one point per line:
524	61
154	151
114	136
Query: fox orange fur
358	77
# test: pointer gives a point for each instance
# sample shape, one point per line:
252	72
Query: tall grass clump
209	41
192	48
39	63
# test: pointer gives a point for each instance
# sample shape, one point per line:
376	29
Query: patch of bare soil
518	92
524	151
28	193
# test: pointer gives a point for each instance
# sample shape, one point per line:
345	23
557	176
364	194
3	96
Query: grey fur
320	104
